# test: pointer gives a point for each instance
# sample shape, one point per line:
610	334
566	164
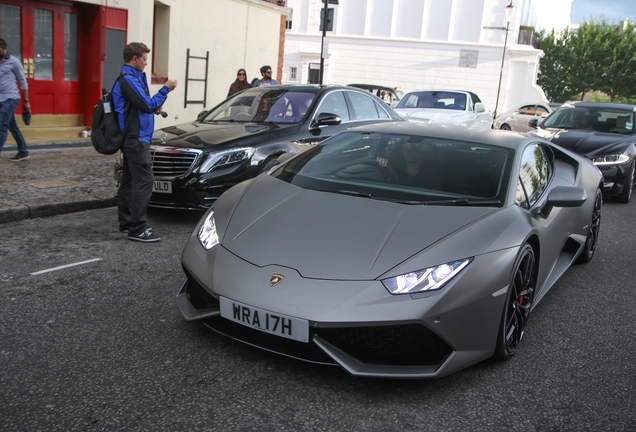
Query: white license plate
161	186
268	322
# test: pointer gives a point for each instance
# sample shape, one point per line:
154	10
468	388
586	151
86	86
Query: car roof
601	105
309	88
372	86
439	90
510	140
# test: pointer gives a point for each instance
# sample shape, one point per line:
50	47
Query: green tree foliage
595	57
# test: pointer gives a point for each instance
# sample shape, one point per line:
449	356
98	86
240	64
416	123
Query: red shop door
49	52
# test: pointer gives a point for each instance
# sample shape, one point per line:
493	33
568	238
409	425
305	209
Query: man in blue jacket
135	110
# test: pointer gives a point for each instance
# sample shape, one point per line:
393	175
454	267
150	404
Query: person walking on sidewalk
11	71
135	110
266	80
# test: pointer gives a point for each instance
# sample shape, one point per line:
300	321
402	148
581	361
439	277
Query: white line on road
65	266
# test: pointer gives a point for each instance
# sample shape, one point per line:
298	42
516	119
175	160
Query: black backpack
105	134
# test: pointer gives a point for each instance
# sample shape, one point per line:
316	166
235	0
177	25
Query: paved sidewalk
56	179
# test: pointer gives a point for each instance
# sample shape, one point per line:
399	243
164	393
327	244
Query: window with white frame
292	74
288	21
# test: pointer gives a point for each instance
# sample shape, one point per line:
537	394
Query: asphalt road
102	346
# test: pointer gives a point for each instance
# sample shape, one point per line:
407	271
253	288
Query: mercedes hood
201	135
586	143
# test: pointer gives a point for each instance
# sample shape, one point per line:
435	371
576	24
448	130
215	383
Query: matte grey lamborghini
394	250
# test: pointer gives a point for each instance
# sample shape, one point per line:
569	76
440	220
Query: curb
45	210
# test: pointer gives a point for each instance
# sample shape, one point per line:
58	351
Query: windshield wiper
462	201
346	192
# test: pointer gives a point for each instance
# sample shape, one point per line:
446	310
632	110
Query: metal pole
322	41
503	57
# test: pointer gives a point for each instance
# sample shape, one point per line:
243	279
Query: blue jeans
7	123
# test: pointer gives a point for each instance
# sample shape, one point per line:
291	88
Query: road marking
65	266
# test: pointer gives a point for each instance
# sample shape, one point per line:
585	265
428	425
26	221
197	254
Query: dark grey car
340	256
195	162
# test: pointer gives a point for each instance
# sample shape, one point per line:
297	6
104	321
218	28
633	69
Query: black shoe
146	237
19	157
123	230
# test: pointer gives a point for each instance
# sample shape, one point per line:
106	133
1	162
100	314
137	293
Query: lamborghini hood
324	235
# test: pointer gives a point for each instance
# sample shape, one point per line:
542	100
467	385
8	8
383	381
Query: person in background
11	71
135	110
240	83
266	80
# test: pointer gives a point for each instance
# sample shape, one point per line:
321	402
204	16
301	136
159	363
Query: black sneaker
146	237
123	230
19	157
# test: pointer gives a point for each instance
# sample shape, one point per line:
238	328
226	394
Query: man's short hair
3	43
134	49
264	68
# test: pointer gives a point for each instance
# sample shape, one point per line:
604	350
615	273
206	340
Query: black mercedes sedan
195	162
602	132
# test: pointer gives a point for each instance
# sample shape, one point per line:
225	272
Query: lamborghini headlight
226	157
615	159
430	279
207	232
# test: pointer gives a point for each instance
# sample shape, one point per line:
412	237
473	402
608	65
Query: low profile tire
517	306
505	127
268	164
593	231
626	194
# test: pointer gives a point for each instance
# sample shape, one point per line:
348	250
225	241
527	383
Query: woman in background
240	84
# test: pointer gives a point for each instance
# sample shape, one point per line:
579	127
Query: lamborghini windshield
411	169
262	105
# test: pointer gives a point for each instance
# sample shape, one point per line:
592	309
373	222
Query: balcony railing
528	37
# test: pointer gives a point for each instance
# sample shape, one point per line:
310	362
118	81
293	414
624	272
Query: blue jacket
134	106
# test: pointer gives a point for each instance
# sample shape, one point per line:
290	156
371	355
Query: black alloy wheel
591	241
517	306
626	194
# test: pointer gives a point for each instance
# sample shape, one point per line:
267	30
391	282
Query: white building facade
73	49
418	44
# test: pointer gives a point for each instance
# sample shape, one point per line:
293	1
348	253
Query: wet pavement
57	178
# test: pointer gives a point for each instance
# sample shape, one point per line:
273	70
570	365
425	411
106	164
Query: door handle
31	68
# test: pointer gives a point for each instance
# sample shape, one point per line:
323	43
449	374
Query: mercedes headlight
207	232
226	157
615	159
430	279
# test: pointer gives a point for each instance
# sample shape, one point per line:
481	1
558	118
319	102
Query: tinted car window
364	107
334	103
272	106
534	174
435	99
600	120
459	171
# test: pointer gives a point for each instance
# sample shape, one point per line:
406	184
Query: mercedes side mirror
326	119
